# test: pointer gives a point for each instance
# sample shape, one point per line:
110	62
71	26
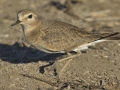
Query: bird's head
26	18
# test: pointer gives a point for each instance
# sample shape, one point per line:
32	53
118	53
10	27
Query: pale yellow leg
63	59
70	59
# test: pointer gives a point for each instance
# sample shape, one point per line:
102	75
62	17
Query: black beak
17	22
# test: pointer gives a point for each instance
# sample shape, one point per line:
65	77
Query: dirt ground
96	69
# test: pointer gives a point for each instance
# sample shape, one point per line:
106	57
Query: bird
52	36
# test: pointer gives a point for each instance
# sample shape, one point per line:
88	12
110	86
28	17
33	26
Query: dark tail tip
110	36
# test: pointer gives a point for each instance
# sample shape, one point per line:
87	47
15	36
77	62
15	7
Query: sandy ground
96	69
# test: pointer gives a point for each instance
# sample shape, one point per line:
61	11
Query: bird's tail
107	36
99	37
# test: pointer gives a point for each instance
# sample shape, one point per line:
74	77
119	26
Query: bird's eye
30	16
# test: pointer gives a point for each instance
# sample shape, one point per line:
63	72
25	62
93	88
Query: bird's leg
59	60
70	56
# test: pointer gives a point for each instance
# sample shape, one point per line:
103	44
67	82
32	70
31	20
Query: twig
45	81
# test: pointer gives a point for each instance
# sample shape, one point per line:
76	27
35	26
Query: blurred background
100	68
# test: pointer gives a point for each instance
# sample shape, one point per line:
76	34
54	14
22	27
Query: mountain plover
57	37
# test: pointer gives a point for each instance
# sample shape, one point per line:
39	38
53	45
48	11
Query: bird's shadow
17	54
